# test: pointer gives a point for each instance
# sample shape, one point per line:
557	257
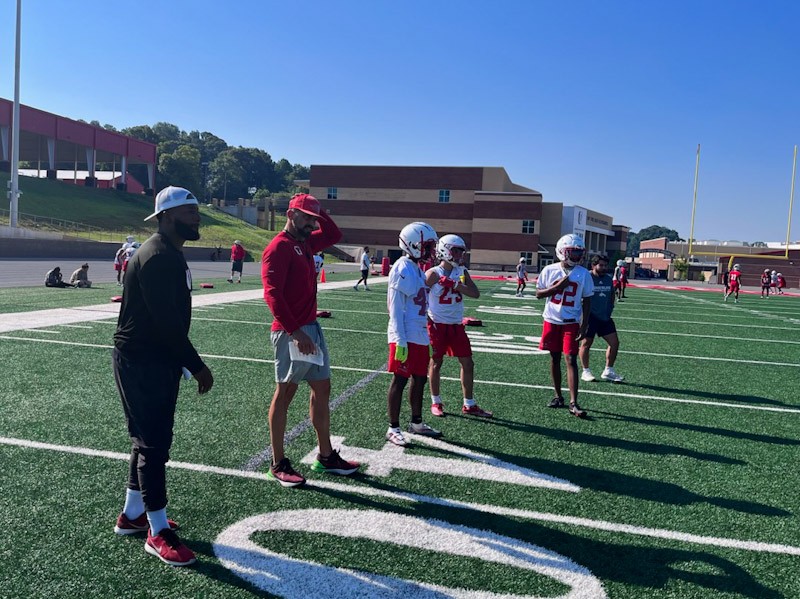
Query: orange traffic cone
322	278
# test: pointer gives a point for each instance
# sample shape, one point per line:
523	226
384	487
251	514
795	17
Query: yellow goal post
733	257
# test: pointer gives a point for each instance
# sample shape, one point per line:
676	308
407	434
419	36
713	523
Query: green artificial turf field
681	483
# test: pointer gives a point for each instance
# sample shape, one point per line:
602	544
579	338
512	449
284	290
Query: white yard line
363	490
604	393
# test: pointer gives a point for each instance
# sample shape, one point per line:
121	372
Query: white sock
469	402
158	521
134	506
436	399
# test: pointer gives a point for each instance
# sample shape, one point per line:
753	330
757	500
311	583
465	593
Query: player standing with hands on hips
151	348
449	281
409	345
301	354
568	288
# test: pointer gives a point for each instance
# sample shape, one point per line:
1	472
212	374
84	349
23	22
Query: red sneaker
334	464
285	474
167	547
476	410
437	409
126	526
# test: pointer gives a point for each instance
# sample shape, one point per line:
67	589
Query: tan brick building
498	219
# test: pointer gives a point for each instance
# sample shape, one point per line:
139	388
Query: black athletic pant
149	392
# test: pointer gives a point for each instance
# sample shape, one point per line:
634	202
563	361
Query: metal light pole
13	192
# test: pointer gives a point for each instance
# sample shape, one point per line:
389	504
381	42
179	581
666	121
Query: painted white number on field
497	343
288	577
476	465
511	310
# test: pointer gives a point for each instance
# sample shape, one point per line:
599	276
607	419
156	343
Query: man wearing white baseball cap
151	349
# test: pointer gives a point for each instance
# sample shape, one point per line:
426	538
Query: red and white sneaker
437	409
126	526
476	410
285	474
167	547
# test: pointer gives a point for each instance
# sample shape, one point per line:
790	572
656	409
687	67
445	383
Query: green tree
209	145
681	267
142	132
651	232
225	172
181	168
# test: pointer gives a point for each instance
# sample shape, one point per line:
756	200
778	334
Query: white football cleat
587	376
610	375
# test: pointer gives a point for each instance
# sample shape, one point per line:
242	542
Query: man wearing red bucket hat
301	354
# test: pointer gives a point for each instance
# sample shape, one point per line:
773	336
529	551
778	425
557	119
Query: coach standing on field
290	290
151	346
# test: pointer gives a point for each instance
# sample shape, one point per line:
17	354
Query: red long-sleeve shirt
289	276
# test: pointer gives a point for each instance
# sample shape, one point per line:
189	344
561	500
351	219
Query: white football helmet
774	272
620	262
735	267
571	249
448	250
418	240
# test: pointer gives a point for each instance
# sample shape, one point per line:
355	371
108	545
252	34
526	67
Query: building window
545	262
529	226
528	258
444	196
333	192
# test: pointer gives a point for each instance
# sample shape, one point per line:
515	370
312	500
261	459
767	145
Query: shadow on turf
613	482
711	430
636	565
731	397
603	441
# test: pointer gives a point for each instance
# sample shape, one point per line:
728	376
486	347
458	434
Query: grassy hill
106	215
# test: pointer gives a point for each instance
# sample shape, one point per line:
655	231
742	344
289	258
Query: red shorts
449	339
125	266
734	286
415	365
560	338
118	267
520	281
615	284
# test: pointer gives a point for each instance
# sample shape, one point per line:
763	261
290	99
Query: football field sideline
745	545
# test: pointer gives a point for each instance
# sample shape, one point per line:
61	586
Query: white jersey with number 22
565	306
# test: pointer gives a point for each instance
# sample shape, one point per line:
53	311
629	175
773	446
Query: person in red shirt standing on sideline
734	284
237	257
766	280
301	354
781	284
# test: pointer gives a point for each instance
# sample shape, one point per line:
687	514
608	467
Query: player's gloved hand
447	282
400	353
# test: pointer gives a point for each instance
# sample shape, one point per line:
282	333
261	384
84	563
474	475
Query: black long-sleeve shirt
156	307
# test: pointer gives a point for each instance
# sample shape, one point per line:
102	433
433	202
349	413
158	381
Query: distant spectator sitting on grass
53	278
80	278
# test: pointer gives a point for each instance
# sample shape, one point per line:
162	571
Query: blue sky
600	104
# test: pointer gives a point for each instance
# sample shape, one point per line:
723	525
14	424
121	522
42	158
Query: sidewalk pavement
17	321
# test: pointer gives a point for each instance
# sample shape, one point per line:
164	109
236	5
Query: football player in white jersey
449	281
568	288
409	346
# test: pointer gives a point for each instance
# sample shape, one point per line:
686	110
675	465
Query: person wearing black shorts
600	323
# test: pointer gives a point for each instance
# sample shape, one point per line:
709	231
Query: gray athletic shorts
288	371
